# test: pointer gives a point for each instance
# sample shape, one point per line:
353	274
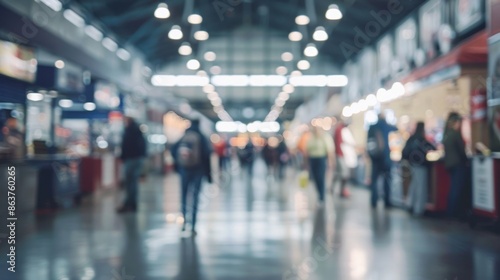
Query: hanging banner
468	14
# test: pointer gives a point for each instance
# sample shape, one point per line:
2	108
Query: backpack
189	150
375	143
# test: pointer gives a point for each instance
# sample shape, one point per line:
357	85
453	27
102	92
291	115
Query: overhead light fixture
195	19
267	80
215	70
74	18
35	96
281	70
311	50
89	106
180	81
309	81
123	54
347	112
185	49
175	33
337	81
371	100
93	33
287	56
59	64
284	96
65	103
295	36
333	12
320	34
208	88
55	5
296	73
303	65
201	35
288	88
162	11
231	81
109	44
210	56
302	20
193	64
202	73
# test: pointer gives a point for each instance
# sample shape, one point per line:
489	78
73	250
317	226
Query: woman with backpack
415	152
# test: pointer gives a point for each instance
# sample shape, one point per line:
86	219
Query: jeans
457	176
190	180
418	189
380	169
133	168
318	172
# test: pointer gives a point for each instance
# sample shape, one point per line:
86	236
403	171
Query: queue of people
317	153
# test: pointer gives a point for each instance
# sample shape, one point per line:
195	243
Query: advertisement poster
494	68
430	22
483	191
17	61
406	43
468	14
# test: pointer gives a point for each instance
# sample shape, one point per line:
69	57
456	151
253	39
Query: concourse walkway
250	228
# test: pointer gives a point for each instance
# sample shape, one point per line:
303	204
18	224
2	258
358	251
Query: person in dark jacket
192	173
415	152
133	153
382	163
455	160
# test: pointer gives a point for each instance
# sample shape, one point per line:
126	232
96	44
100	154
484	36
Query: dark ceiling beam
135	14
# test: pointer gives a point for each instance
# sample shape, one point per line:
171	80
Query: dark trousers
133	169
190	182
458	177
318	172
380	169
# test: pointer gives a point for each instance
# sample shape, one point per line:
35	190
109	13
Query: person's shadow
189	266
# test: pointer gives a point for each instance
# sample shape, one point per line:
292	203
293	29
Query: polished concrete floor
249	228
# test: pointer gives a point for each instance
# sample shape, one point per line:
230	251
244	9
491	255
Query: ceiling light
302	20
65	103
347	112
267	80
284	96
209	88
320	34
195	19
210	56
162	11
309	81
287	56
337	81
74	18
215	70
193	64
93	33
281	70
175	33
109	44
191	80
202	73
303	65
212	95
59	64
371	100
185	49
288	88
363	105
295	36
280	102
296	73
201	35
123	54
89	106
333	12
231	81
355	108
35	96
311	50
53	4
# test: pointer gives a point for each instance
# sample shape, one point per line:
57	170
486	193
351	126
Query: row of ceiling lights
91	31
216	102
319	35
383	95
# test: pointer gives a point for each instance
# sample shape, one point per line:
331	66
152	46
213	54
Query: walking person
133	153
192	159
379	152
415	152
345	156
319	153
455	160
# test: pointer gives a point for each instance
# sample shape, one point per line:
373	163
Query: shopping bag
303	179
